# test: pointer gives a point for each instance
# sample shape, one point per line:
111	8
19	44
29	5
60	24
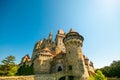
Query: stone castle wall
62	59
55	76
18	78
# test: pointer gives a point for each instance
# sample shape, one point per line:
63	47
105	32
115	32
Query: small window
59	68
53	48
69	52
70	67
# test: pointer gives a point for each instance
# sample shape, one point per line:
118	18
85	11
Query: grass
113	78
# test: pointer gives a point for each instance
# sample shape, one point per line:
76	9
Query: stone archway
62	78
59	67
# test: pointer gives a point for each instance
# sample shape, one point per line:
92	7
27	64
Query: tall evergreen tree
8	66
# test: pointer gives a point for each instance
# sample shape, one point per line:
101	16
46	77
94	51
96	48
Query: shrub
98	76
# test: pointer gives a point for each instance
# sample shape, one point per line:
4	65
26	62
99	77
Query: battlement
73	38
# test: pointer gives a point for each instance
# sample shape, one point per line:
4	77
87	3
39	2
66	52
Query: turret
59	39
75	66
36	49
73	37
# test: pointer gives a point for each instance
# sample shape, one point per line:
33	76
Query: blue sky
24	22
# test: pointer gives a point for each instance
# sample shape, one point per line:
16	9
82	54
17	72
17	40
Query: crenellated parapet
74	38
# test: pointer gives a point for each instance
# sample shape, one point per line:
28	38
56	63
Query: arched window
59	68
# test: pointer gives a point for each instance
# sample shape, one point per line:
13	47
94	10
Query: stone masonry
61	59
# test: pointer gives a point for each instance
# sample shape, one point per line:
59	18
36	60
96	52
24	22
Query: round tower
73	36
75	66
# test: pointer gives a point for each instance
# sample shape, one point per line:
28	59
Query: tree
113	70
8	67
9	60
106	71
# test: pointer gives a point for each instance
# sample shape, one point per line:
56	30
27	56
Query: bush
25	70
98	76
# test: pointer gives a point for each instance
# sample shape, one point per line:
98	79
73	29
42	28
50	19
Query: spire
71	30
50	36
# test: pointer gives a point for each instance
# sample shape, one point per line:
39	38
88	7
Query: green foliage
91	78
106	71
13	71
9	60
98	76
26	70
113	70
8	67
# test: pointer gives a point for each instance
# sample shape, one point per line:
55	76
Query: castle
63	57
